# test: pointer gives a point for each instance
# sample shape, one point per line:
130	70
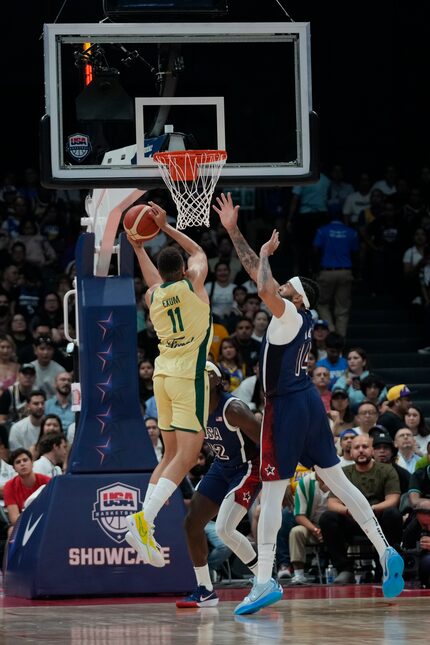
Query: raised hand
159	215
227	211
271	245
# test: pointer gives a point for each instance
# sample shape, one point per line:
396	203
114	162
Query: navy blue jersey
230	446
284	366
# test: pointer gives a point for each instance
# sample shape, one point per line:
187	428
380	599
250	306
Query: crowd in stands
340	232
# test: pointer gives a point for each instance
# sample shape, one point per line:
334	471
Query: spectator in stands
151	424
13	401
6	470
335	362
385	452
19	332
311	364
146	384
345	445
308	211
340	415
352	377
338	191
357	201
51	314
251	305
219	333
236	313
51	424
247	388
18	489
220	291
425	295
405	443
147	341
61	403
9	283
310	501
415	421
53	454
39	252
321	380
319	335
374	389
24	433
8	366
248	347
388	184
399	401
260	324
336	249
419	499
230	362
379	483
46	368
5	313
227	256
366	417
413	262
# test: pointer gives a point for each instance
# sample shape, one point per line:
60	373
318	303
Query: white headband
211	367
296	283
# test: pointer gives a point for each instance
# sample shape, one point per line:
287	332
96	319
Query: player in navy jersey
295	426
227	490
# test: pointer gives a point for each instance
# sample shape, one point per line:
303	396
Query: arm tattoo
247	256
264	273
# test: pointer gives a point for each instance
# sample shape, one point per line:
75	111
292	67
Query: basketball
139	224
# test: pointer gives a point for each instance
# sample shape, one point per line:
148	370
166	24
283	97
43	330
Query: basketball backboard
111	90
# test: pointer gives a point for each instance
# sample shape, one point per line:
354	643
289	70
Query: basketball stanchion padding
191	177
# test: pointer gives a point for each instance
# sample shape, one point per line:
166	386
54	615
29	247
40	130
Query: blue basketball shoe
201	597
261	595
392	567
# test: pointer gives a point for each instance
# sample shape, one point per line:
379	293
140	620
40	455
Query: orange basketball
139	223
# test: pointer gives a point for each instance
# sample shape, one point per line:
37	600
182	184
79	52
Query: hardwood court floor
314	615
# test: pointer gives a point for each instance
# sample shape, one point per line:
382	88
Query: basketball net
191	177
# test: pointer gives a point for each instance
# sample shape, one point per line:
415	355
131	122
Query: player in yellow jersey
180	312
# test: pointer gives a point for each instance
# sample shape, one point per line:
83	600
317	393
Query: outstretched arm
148	268
197	260
268	288
228	215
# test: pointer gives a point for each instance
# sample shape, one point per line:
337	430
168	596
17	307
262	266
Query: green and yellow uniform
183	325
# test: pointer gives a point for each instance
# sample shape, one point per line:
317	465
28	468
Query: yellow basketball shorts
182	403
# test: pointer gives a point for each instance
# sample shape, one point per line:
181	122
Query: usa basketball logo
113	504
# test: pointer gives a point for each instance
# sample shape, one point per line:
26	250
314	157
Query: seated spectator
419	499
236	312
220	291
345	445
226	255
230	362
366	417
50	313
249	390
219	333
405	443
61	403
385	452
310	502
352	378
399	401
13	401
321	380
18	489
319	335
413	262
340	415
415	421
8	365
46	368
53	455
311	364
425	295
151	408
26	353
19	332
334	362
248	347
24	433
379	483
51	424
146	385
147	341
39	251
374	389
154	432
6	471
251	305
260	324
